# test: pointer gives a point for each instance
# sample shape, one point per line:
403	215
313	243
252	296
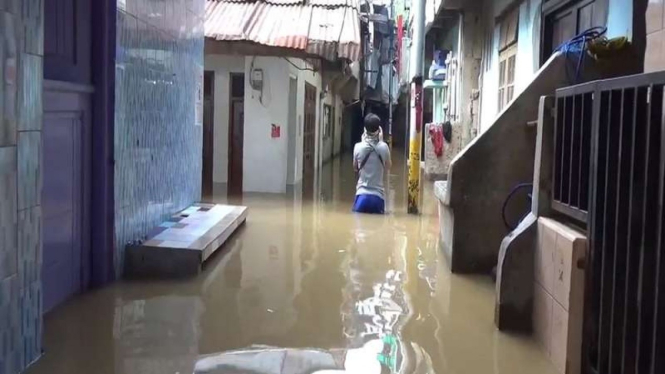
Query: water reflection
374	306
139	323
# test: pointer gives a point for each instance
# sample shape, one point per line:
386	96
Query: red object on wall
275	132
436	134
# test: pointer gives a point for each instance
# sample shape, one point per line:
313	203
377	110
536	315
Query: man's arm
355	158
388	161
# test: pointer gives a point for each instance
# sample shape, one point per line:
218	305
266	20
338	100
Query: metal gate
609	174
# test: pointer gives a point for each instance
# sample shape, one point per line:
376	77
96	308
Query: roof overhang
328	29
245	48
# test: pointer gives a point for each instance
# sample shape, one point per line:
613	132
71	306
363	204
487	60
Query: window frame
506	91
508	38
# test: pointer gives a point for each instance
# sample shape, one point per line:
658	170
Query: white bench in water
179	246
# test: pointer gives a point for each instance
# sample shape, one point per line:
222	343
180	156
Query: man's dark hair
372	122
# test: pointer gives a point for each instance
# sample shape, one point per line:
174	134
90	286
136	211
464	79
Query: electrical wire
298	67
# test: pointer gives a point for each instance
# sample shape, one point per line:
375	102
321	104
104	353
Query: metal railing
609	172
572	145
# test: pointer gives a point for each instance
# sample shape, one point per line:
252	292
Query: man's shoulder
357	149
383	146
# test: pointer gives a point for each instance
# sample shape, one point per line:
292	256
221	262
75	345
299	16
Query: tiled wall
21	40
159	67
654	59
559	294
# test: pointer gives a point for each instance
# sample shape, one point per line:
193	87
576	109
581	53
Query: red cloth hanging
436	135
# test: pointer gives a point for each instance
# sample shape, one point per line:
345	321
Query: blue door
66	150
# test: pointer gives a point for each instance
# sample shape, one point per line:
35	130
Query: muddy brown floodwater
304	287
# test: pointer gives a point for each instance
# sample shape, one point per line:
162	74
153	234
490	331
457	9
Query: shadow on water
304	287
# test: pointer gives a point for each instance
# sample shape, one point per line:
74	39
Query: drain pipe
416	120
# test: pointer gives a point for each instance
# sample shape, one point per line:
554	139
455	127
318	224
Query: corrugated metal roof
322	3
273	2
334	3
333	28
327	31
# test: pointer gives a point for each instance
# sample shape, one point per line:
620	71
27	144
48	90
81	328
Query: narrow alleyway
300	275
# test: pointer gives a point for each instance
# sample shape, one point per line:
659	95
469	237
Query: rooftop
327	29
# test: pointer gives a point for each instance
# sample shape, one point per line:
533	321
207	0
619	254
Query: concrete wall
21	26
471	53
264	157
158	137
265	166
654	59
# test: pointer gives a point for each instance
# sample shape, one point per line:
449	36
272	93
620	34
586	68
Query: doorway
292	159
67	146
309	139
236	133
208	133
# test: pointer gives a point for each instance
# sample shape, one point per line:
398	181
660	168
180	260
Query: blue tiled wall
159	67
21	58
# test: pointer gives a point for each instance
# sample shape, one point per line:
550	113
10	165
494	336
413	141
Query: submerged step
179	246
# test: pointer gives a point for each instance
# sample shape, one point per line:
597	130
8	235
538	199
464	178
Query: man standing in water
371	160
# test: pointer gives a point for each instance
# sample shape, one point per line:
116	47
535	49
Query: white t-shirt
370	181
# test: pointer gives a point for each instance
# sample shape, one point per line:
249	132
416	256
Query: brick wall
654	59
21	51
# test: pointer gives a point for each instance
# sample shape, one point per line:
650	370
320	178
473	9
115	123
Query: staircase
483	174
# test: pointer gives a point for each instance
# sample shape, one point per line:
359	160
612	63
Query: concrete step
179	246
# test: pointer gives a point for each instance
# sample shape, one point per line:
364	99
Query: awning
329	29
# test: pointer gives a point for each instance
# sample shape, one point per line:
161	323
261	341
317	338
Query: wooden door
208	132
66	142
563	21
309	138
236	133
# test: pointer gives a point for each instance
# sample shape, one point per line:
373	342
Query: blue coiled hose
578	44
515	189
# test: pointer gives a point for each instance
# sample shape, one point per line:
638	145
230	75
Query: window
507	56
328	118
508	29
507	76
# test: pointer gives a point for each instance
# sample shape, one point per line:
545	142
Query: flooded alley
178	182
303	287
